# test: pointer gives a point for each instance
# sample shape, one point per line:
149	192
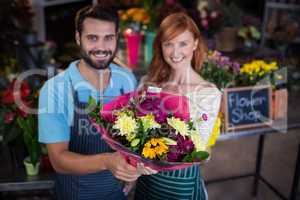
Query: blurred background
249	41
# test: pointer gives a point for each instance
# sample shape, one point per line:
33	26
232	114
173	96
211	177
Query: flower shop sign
247	107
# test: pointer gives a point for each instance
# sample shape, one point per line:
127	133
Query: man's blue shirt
56	104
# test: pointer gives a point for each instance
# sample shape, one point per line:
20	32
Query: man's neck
98	78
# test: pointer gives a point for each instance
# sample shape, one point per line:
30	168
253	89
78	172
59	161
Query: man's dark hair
100	12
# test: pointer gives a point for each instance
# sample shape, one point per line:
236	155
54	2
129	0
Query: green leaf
135	142
92	102
196	156
199	155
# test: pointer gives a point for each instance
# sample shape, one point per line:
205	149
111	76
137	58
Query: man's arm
68	162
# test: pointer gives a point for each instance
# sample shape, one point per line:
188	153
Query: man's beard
98	65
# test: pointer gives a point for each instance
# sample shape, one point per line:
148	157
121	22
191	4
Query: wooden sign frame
228	127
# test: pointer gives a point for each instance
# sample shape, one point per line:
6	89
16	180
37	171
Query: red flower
9	117
25	90
7	97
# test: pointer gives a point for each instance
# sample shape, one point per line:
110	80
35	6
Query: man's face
98	42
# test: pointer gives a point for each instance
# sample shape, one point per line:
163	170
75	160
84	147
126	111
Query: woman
179	51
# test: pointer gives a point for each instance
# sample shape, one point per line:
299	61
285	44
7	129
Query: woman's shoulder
204	90
204	86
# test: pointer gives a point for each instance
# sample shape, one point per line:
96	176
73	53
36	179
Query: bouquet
152	128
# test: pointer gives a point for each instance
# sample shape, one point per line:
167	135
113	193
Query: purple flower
174	157
177	152
223	62
184	144
152	105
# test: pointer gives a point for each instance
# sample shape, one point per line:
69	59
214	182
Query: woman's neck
185	76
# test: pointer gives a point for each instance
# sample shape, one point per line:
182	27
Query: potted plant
16	100
210	17
131	23
259	72
220	70
231	19
250	36
151	8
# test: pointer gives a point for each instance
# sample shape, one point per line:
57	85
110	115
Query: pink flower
170	2
9	117
214	14
203	14
204	23
204	117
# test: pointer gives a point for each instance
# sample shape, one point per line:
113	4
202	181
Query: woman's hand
143	170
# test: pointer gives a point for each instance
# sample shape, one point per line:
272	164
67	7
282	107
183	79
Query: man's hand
120	168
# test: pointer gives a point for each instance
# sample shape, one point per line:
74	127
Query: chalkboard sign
247	107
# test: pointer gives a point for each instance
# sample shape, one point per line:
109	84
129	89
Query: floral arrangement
209	16
134	18
253	72
154	128
249	34
220	70
15	102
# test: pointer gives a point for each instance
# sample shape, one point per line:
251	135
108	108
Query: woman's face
178	52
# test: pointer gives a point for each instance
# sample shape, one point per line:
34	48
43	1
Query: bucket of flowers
17	99
152	128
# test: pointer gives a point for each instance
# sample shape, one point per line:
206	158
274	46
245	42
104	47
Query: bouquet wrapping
152	128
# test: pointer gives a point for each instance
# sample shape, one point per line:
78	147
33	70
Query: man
86	167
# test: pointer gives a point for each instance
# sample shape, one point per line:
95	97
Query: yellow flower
149	153
131	11
180	126
146	19
196	138
126	124
139	15
215	132
124	17
149	122
155	147
259	67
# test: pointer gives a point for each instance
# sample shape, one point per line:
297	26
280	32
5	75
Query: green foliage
30	136
93	109
221	77
196	156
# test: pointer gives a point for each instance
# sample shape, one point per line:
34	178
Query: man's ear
77	38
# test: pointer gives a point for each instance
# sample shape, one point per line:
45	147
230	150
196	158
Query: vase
226	39
133	41
149	38
31	170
